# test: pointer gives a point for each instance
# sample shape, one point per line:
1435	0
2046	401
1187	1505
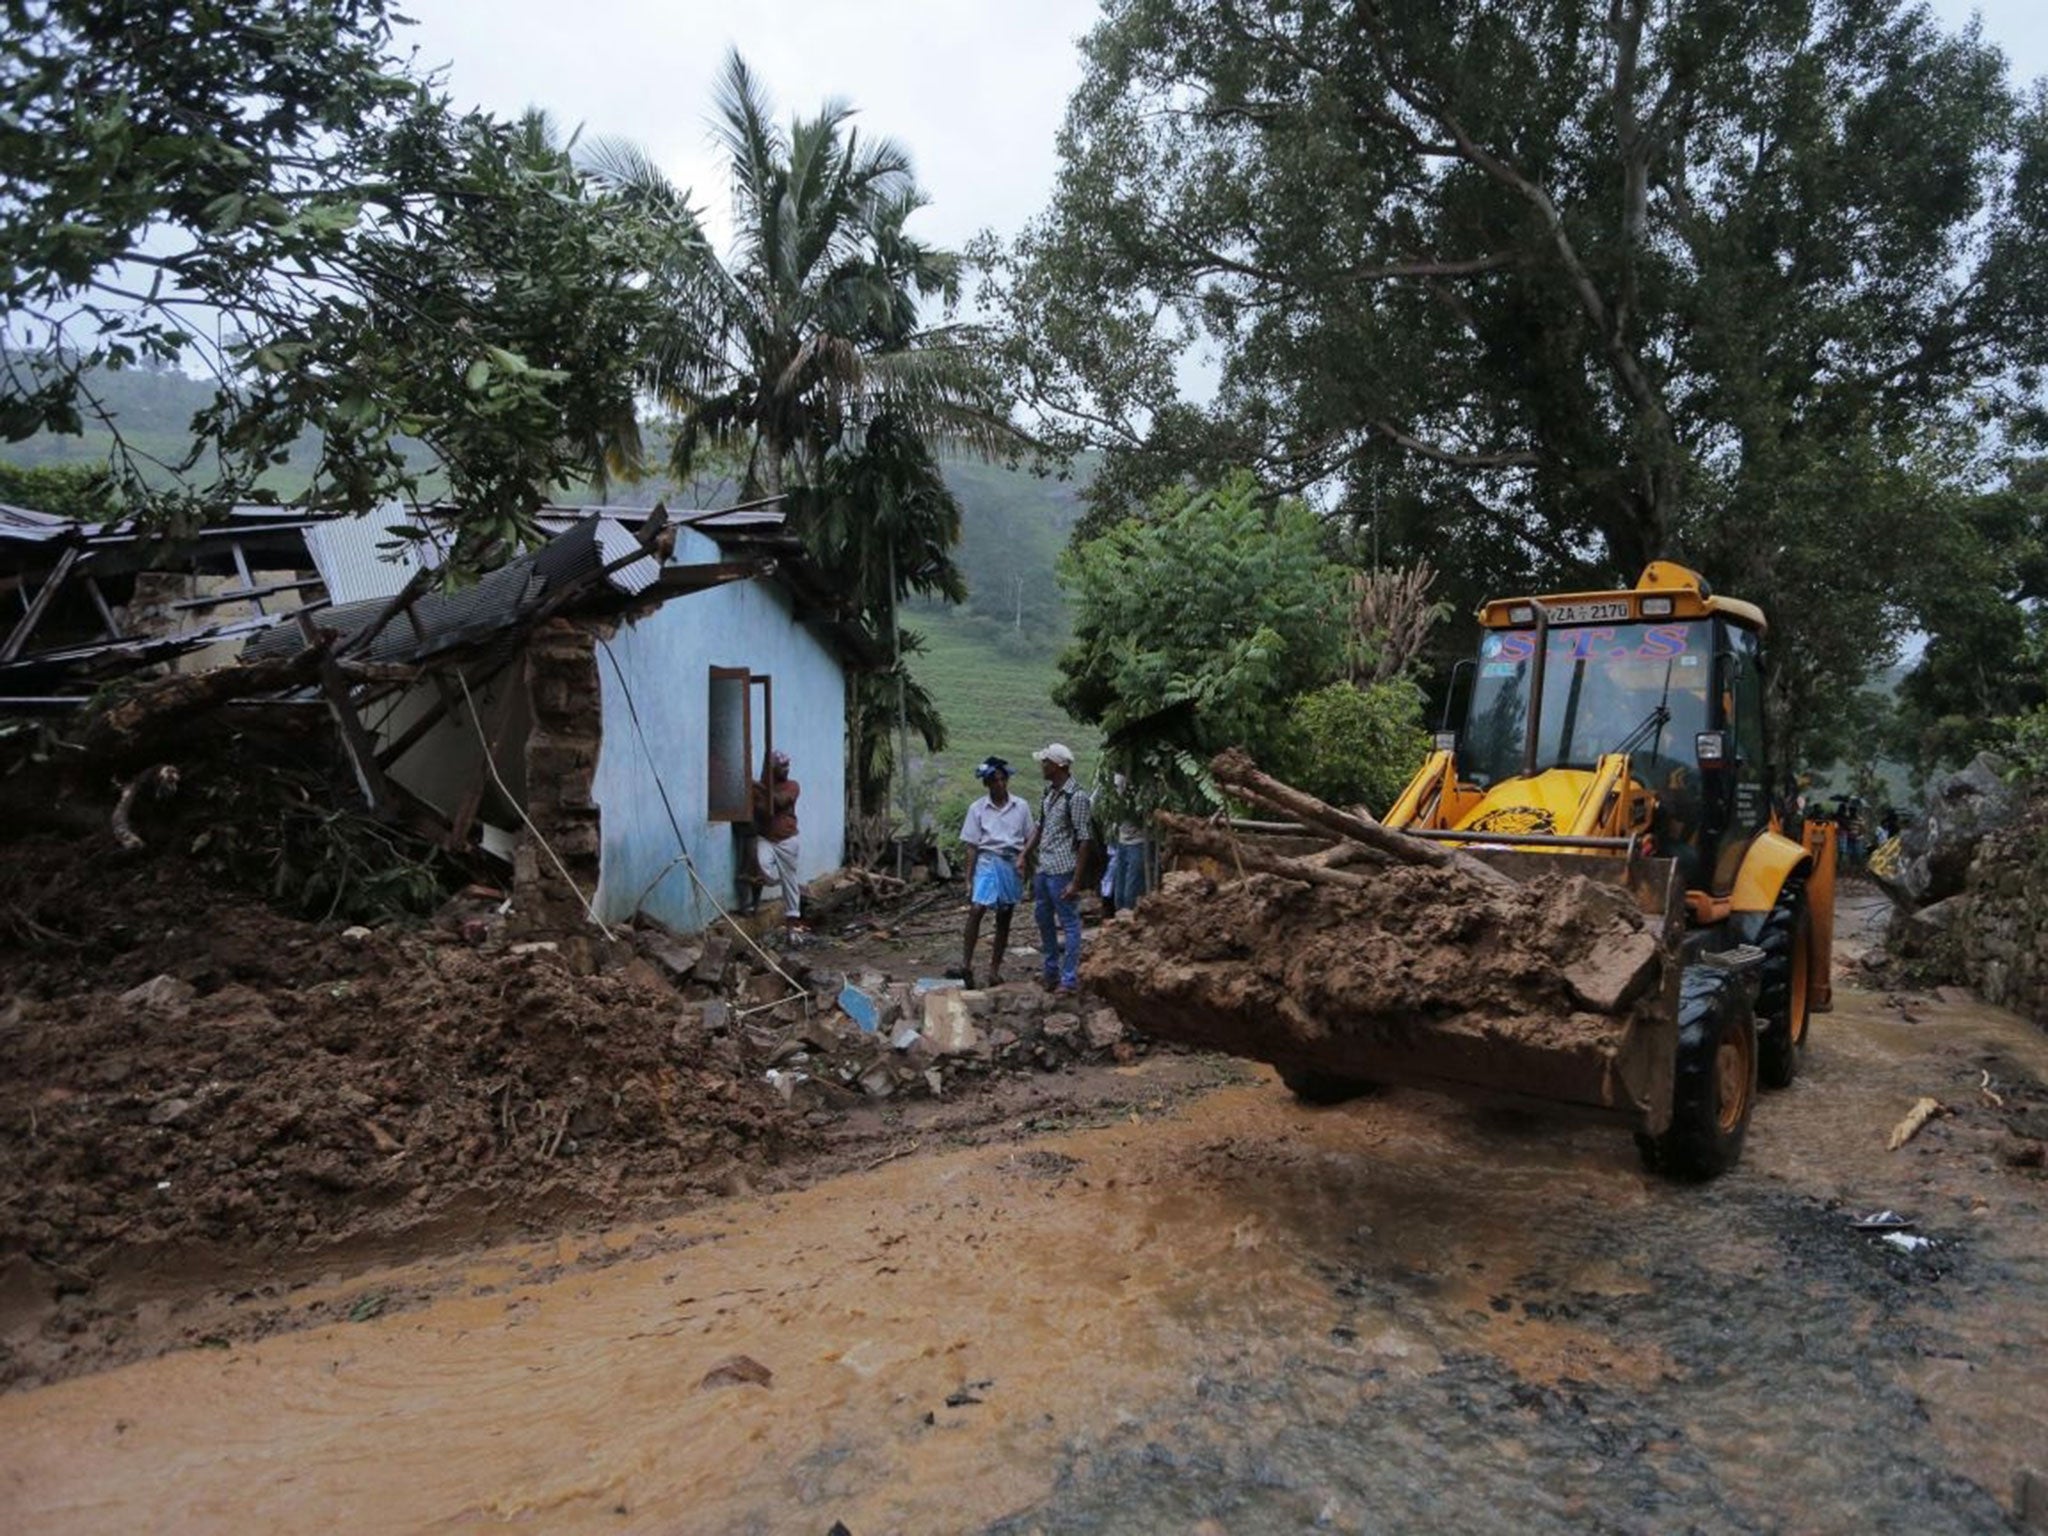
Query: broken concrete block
160	994
949	1026
1104	1029
861	1006
878	1082
169	1110
711	964
671	953
355	937
717	1016
1061	1026
535	947
904	1037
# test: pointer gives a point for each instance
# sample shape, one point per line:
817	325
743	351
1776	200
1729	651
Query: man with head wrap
997	828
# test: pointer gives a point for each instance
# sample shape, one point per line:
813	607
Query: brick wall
561	758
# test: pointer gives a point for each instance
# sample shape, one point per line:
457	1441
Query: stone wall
561	759
2000	937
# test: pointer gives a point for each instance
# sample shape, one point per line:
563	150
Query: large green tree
265	192
1542	288
1196	626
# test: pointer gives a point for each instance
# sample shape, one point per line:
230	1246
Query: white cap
1055	754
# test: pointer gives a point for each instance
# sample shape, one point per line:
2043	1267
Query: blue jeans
1062	964
1129	869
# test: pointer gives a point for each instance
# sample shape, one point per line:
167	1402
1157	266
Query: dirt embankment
185	1066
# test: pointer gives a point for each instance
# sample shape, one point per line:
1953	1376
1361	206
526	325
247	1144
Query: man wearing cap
1063	842
997	830
775	819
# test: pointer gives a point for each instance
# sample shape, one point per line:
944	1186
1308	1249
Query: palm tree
811	326
803	356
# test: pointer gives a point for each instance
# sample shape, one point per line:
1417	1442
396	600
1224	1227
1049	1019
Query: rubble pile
226	1074
1285	971
880	1039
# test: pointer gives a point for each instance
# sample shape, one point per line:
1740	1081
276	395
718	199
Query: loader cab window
1638	688
1744	684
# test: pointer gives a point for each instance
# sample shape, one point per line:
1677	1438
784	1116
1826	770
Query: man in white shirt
997	830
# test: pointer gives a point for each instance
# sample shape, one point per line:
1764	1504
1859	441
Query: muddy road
1222	1314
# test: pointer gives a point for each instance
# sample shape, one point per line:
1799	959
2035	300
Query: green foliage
1980	599
266	193
63	490
1354	746
1538	290
498	317
812	326
995	698
2026	744
1195	626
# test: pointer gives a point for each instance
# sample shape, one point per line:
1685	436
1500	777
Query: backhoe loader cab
1629	726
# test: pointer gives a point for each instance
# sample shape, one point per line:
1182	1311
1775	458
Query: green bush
1355	746
2026	745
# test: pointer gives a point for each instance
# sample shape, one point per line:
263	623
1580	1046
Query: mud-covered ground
1146	1301
205	1104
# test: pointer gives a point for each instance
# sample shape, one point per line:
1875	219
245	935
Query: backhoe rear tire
1716	1081
1313	1087
1784	995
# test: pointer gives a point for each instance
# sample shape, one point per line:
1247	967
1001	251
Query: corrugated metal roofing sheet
352	554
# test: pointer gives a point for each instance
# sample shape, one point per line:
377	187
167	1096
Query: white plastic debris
1906	1242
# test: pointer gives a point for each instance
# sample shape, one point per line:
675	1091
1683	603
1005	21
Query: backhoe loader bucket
1557	989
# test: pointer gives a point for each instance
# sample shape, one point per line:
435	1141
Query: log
128	724
1199	836
1235	771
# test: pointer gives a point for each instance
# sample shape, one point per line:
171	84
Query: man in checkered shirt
1063	842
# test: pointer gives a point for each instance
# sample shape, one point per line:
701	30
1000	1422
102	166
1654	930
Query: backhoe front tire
1716	1081
1313	1087
1784	995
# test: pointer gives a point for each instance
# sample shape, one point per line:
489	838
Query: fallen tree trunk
1235	771
123	728
1198	836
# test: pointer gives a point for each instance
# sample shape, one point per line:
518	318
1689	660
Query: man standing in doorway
997	831
775	798
1063	845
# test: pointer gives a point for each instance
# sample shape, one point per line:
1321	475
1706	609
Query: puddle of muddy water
1398	1315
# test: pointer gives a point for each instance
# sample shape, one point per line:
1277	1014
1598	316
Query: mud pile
180	1063
369	1094
1531	988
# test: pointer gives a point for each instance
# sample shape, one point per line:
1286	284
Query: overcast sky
974	89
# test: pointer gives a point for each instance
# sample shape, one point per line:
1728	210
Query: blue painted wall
664	661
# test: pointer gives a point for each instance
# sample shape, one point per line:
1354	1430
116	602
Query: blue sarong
996	882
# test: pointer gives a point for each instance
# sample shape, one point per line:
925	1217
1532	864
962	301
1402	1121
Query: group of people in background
1055	852
1052	852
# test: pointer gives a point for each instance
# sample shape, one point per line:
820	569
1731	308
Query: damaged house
591	714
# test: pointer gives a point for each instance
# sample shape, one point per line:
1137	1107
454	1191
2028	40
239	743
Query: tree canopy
269	193
1195	627
1541	289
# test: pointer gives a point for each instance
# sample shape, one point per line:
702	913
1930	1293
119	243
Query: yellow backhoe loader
1629	727
1617	736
